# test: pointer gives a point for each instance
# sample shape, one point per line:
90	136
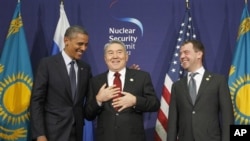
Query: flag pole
187	4
245	1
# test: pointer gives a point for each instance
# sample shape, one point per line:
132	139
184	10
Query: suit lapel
184	83
63	73
205	81
80	77
129	79
103	78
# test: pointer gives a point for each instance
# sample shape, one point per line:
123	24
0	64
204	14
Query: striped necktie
118	83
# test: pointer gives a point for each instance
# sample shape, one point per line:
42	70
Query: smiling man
59	90
119	97
200	107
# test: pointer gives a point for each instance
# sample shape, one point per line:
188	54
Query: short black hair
197	45
72	30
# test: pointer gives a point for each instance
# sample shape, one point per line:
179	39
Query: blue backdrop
149	29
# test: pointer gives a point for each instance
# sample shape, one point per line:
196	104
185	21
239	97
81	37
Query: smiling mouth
115	62
79	52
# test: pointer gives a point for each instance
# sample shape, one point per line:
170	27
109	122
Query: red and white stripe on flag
162	118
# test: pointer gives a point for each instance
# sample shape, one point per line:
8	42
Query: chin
78	57
184	67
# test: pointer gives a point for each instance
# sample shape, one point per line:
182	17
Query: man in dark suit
207	115
57	111
120	118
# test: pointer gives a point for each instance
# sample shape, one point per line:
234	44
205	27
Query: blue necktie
192	87
72	76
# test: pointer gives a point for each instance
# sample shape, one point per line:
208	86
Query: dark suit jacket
53	111
208	119
128	124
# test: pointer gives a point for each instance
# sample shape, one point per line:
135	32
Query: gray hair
114	42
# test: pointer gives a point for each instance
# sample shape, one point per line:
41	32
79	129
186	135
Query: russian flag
62	25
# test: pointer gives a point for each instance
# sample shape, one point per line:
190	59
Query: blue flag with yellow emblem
16	81
239	75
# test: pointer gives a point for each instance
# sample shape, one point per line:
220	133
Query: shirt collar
122	72
66	57
200	71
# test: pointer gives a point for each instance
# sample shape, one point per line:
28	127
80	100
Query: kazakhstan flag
15	83
239	75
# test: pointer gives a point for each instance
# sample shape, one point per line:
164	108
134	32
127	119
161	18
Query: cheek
83	47
126	58
184	65
107	60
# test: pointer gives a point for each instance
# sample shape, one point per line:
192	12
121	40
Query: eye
110	52
186	52
82	44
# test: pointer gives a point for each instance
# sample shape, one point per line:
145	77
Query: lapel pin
208	78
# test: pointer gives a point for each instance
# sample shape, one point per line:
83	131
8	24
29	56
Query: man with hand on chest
119	97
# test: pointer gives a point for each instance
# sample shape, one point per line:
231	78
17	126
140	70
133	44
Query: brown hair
197	45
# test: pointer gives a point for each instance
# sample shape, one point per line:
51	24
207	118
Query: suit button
117	114
193	112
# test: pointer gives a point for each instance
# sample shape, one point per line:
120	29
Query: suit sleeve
38	96
172	117
91	108
148	101
226	109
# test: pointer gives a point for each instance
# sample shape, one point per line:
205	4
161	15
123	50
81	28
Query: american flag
174	73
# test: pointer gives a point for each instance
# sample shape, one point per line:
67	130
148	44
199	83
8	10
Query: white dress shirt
111	77
198	77
67	61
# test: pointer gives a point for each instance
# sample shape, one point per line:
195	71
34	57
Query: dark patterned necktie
192	87
72	76
118	83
